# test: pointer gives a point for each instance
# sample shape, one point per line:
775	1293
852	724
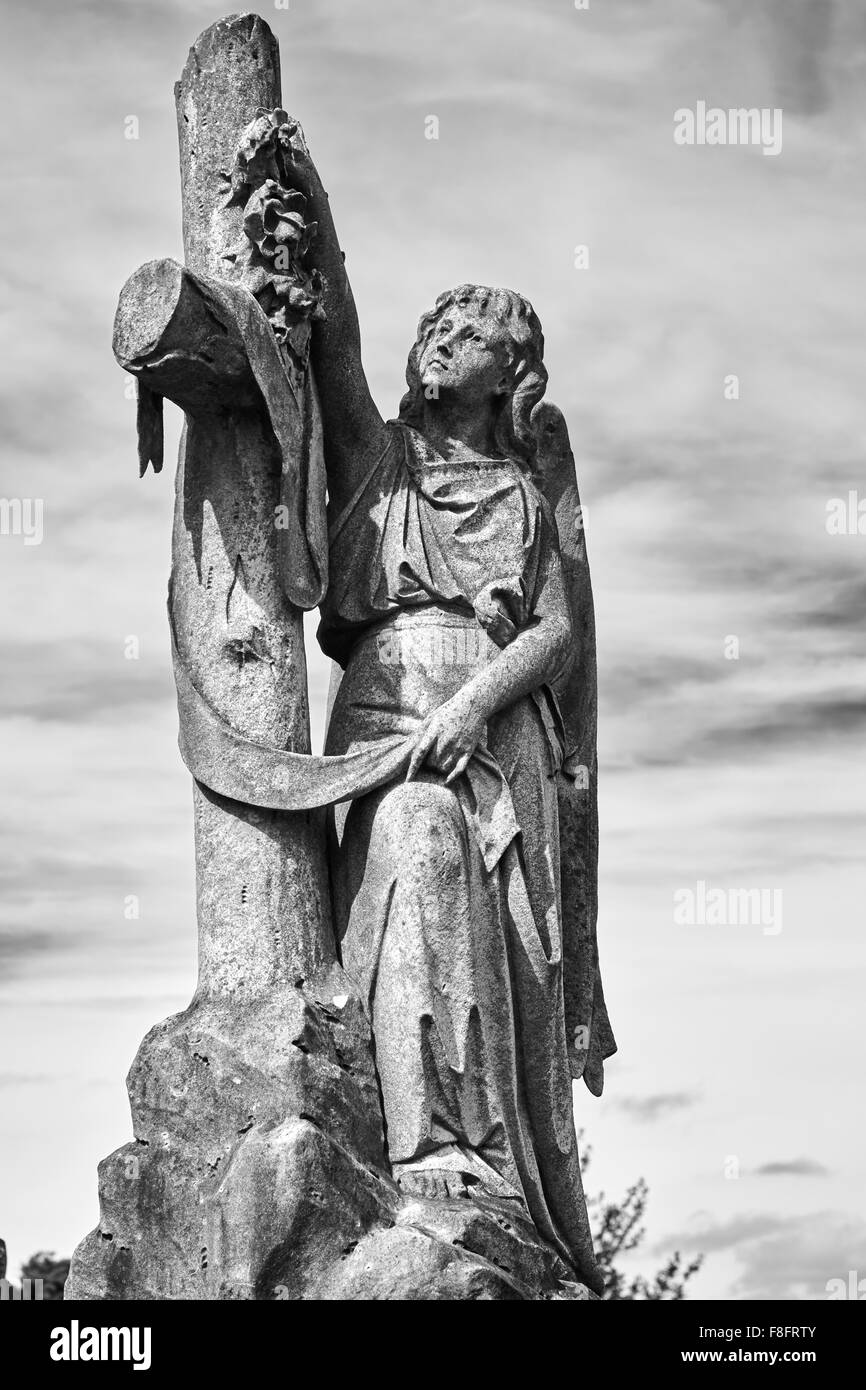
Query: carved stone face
468	353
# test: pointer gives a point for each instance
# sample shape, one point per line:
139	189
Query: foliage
617	1229
43	1265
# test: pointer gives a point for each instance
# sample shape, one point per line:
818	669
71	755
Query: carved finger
442	754
419	753
461	766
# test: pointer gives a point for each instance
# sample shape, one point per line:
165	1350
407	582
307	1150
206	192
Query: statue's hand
449	738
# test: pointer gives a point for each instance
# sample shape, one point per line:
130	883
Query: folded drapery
262	775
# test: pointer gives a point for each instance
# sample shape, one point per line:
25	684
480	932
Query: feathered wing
590	1036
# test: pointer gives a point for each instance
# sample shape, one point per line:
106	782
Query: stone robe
447	900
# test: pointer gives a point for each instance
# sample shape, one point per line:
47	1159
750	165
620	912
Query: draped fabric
292	405
419	531
447	898
434	568
459	958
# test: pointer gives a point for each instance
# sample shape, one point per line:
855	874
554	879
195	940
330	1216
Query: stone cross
233	1095
262	899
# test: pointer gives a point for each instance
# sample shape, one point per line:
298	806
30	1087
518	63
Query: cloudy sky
737	1092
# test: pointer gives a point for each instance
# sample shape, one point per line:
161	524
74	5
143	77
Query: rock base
258	1171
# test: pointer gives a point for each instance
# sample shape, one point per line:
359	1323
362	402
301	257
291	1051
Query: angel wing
590	1036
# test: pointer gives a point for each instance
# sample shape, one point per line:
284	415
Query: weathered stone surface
262	893
407	1264
590	1038
232	1109
398	1126
468	1248
258	1171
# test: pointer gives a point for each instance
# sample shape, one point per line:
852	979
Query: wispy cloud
730	1235
647	1109
799	1261
785	1257
792	1167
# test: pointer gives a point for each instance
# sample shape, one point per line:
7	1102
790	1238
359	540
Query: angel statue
463	888
370	1093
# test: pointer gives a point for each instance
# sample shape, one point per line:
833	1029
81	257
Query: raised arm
354	431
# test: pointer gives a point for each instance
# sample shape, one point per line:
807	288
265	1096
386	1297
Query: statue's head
484	347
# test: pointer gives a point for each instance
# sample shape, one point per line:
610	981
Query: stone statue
370	1094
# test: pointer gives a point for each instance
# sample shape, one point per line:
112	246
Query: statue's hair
512	431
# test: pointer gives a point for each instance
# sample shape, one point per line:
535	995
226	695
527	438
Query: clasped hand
449	738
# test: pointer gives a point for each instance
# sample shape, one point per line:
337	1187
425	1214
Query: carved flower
270	259
262	150
274	218
290	302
